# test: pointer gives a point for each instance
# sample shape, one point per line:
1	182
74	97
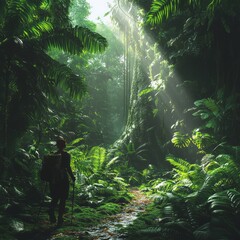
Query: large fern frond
20	11
36	29
97	155
179	163
75	40
62	39
92	41
52	73
26	19
224	177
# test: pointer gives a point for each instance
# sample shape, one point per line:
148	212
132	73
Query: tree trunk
142	128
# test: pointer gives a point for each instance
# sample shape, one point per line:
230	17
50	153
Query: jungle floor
110	228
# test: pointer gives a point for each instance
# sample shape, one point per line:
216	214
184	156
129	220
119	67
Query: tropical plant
97	181
163	9
199	201
27	31
204	142
216	113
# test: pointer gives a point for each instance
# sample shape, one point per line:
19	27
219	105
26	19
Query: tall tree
141	137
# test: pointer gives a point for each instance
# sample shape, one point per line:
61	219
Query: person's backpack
50	167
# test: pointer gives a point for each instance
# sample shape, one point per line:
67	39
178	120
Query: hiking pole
72	200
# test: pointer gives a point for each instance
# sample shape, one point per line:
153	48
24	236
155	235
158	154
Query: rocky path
106	230
109	228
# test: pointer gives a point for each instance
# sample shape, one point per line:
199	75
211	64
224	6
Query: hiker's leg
63	198
61	210
53	203
52	208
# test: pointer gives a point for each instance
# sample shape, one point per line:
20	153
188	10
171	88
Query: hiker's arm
69	170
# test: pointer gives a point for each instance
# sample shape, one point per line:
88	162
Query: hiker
59	185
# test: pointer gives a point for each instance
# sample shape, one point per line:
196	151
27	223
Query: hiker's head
61	143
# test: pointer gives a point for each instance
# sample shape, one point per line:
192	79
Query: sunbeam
166	89
99	10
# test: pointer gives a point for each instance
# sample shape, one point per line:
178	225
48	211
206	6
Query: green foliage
163	9
203	141
88	216
98	183
215	112
97	155
199	201
27	31
181	140
110	208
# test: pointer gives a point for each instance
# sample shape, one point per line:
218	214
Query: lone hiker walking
59	185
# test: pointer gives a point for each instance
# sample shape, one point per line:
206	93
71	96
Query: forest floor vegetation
106	221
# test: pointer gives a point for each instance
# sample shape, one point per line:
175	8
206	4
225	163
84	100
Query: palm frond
64	77
62	39
37	29
51	73
75	40
161	9
92	41
19	10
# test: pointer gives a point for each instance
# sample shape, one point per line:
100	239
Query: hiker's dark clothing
59	186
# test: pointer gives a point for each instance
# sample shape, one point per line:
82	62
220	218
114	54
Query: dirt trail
108	229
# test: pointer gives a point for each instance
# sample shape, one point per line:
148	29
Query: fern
152	231
97	156
176	230
179	163
225	176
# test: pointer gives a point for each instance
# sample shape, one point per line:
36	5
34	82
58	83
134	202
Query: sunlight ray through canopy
99	9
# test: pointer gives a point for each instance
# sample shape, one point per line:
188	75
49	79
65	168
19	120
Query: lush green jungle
148	103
